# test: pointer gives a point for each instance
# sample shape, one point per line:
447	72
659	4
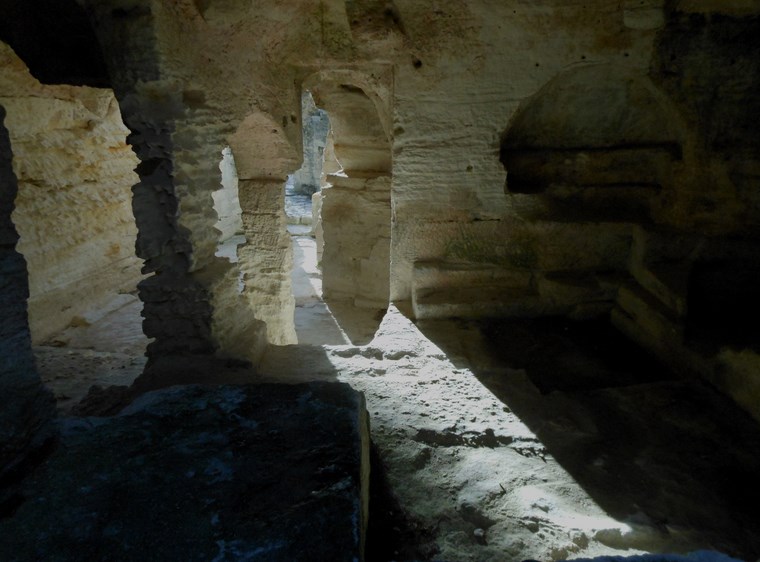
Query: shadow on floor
359	324
390	534
315	325
296	363
667	453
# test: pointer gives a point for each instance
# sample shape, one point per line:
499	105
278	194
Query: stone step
475	302
442	290
436	274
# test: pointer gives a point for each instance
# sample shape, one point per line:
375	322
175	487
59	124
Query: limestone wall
315	127
74	206
627	158
356	228
531	144
454	102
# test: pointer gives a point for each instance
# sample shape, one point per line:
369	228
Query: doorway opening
338	208
347	166
313	320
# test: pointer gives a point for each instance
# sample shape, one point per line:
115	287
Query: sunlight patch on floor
459	459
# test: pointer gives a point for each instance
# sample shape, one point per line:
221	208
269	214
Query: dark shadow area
723	304
391	535
650	449
315	325
274	465
296	363
359	324
55	39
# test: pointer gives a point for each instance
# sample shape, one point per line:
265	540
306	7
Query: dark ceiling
55	40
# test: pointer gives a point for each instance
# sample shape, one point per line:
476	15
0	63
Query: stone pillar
177	307
356	199
236	326
27	407
264	156
266	259
356	228
192	305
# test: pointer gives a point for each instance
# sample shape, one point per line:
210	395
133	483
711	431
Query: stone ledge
270	472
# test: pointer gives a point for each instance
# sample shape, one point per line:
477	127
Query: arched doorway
355	202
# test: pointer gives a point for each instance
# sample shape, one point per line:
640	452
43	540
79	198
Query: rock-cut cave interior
373	280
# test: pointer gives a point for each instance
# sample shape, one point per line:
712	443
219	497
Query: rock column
27	407
192	306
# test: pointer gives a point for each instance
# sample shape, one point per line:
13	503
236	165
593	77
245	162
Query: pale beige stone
73	210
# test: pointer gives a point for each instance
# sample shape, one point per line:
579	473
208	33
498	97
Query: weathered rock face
356	224
73	210
275	472
355	205
316	124
600	121
25	419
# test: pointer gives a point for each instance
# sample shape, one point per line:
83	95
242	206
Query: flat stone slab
259	472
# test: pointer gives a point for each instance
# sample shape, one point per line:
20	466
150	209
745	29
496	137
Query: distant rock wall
74	206
316	124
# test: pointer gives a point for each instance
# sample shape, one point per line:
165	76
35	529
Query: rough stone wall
355	204
630	169
356	229
654	104
454	100
73	210
27	406
693	299
316	124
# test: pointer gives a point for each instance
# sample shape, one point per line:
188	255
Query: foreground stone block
268	472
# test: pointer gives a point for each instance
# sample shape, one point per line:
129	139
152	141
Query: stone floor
548	441
109	351
506	440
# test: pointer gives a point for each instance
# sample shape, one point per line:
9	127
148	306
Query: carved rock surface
269	472
74	205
